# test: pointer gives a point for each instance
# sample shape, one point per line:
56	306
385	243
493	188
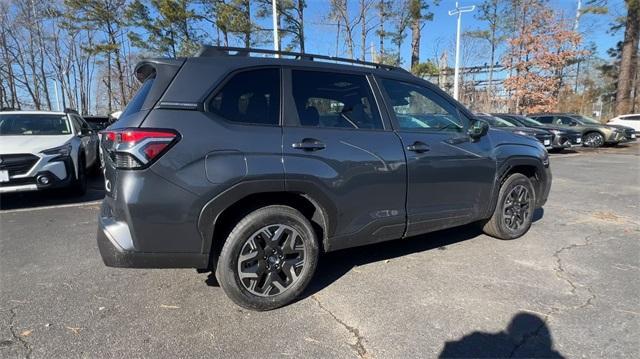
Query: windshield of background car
34	125
590	120
511	120
495	121
529	121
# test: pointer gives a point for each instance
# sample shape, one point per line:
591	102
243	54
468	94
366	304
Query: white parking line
50	207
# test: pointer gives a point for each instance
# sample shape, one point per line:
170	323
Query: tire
79	183
94	170
285	240
593	139
512	220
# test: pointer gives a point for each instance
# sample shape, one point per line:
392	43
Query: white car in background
41	150
630	120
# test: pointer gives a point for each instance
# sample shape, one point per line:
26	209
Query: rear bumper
116	249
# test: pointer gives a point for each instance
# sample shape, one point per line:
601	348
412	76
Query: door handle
418	147
309	144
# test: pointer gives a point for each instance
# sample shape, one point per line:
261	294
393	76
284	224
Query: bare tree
339	12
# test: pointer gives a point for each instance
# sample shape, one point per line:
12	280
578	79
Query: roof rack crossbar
213	51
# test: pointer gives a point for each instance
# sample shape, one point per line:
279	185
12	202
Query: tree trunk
363	30
415	40
247	32
382	17
301	28
109	90
628	61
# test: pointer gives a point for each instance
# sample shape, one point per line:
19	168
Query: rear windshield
137	101
34	125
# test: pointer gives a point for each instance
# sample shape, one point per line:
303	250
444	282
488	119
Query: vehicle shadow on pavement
526	336
54	197
334	265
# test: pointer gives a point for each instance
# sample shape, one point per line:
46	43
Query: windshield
495	121
587	119
529	121
34	125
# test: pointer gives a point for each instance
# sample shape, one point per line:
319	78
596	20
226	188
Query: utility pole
458	11
276	35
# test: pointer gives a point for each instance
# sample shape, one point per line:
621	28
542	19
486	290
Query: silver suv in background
42	150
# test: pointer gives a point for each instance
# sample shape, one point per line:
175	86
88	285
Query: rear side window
544	119
250	97
564	121
137	101
325	99
631	118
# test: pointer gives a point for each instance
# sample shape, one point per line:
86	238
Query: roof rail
214	51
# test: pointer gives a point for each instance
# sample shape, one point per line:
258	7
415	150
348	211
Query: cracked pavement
570	287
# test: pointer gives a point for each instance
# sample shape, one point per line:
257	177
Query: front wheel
268	259
79	183
514	211
593	139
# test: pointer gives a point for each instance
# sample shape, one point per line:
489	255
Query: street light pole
276	36
458	11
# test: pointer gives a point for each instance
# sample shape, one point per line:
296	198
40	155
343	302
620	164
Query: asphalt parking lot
569	288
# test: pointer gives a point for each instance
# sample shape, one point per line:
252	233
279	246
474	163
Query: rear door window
334	100
249	97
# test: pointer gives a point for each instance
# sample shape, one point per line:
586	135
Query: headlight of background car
64	150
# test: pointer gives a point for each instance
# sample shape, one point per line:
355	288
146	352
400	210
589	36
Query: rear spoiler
162	71
149	67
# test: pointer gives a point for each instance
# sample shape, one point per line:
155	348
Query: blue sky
439	34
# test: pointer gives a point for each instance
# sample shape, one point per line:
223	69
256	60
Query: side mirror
573	123
86	131
478	129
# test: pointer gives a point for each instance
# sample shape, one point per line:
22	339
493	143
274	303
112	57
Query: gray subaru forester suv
252	166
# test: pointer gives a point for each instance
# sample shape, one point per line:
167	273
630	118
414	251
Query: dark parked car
545	137
562	137
594	134
256	168
98	123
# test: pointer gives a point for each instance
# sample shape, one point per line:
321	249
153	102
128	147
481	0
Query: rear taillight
136	148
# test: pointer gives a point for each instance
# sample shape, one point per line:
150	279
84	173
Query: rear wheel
593	139
268	259
514	211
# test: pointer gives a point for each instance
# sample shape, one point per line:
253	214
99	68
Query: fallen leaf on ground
101	308
74	330
169	306
26	333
